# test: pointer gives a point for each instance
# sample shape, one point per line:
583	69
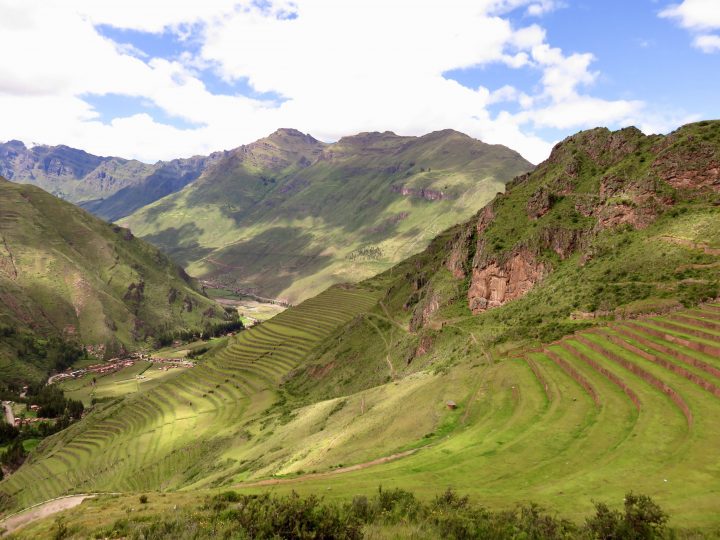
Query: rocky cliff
593	181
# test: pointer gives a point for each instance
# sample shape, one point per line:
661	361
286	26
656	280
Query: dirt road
40	511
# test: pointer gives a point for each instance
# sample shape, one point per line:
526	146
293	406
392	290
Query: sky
161	79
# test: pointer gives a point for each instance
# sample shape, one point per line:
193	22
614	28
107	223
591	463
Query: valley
561	346
287	216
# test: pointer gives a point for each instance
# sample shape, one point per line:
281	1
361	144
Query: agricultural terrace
163	437
633	405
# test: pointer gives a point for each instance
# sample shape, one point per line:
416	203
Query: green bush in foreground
449	516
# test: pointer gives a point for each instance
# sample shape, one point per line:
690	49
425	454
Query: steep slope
556	395
287	216
612	225
66	273
110	187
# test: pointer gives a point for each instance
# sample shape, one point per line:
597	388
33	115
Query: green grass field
630	405
603	377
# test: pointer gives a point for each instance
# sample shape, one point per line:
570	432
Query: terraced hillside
172	434
630	404
560	347
287	216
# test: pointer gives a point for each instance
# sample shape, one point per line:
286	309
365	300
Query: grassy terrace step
154	434
574	350
687	328
697	320
676	338
650	341
626	343
605	351
574	374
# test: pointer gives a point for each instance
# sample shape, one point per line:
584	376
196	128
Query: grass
140	377
526	429
559	399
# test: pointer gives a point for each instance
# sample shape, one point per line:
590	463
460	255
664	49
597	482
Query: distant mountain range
110	187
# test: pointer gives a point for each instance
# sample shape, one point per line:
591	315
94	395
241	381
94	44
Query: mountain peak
14	143
291	134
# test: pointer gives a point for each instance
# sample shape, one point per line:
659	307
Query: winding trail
341	470
40	511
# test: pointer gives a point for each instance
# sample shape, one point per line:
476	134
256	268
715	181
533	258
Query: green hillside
561	347
66	273
287	216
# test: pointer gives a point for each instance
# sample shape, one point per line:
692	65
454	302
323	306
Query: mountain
64	272
561	346
287	216
110	187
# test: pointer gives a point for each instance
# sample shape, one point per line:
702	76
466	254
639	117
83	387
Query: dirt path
387	314
41	511
393	375
351	468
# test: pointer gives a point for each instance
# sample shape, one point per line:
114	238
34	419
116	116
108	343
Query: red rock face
494	283
707	177
424	312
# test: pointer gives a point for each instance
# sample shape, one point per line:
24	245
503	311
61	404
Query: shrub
642	519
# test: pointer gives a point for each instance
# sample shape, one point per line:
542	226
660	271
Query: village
116	364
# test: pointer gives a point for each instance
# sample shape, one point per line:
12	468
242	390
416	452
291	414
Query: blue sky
172	78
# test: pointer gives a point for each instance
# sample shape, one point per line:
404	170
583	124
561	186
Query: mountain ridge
322	212
108	186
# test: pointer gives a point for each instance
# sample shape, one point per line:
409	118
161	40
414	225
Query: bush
143	499
449	516
642	519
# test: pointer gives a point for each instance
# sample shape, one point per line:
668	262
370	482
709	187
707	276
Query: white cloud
537	9
582	112
694	14
708	43
698	16
341	68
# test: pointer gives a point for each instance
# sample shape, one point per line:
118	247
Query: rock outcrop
593	181
497	282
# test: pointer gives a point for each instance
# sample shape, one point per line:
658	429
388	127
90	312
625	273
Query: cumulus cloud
698	16
339	68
